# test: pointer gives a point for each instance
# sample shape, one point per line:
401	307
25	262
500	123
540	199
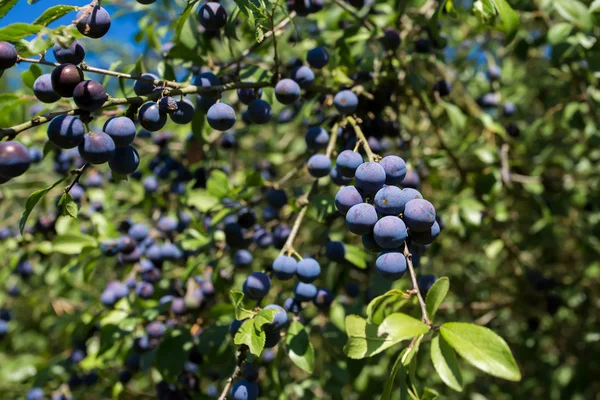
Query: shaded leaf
52	14
386	304
444	362
436	295
299	348
33	199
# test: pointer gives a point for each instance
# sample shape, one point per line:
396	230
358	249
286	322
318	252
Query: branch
268	34
413	278
361	139
236	372
136	100
84	67
352	12
78	172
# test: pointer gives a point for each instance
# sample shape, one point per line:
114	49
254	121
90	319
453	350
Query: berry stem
78	172
413	278
236	372
360	136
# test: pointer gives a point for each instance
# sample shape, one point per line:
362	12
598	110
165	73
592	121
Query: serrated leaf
366	339
444	362
299	348
237	298
52	14
482	348
264	317
436	295
355	256
17	31
247	335
69	207
6	6
386	304
32	200
509	18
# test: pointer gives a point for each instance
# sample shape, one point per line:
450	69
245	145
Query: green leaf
355	256
455	114
366	339
202	200
218	184
5	7
263	317
183	18
17	31
299	348
510	19
72	243
230	27
173	352
436	295
575	12
389	384
321	206
482	348
33	200
255	340
237	298
52	14
558	33
69	207
444	362
31	75
384	305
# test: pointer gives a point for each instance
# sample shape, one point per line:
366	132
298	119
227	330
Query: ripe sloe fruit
337	178
411	180
167	104
323	299
370	244
14	159
276	198
259	111
442	87
279	320
370	177
304	76
345	102
145	87
361	219
348	161
246	95
317	57
42	88
425	282
212	16
95	24
316	138
125	161
65	78
305	291
74	54
150	117
257	285
66	131
419	215
426	237
335	251
221	116
391	265
121	130
390	232
8	55
390	39
494	73
97	148
395	169
184	113
347	197
242	258
284	267
319	165
89	95
292	305
308	270
244	390
287	91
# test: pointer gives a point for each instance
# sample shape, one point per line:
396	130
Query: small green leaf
263	317
558	33
255	340
237	298
5	7
389	387
31	75
444	362
202	200
455	114
436	295
72	243
52	14
482	348
183	18
510	19
17	31
366	339
230	27
33	200
218	184
355	256
69	207
299	348
575	12
173	352
321	206
386	304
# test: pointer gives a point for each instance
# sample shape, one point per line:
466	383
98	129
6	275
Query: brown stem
413	278
78	173
236	372
360	136
354	14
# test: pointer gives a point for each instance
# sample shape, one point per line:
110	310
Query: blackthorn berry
97	148
125	161
74	54
305	291
96	24
8	55
347	197
361	219
184	113
14	159
65	78
317	57
66	131
121	130
212	16
221	116
419	215
319	165
390	232
395	169
304	76
284	267
370	177
89	95
167	104
323	299
259	111
42	89
345	102
144	87
308	270
287	91
391	265
246	95
348	161
257	285
150	117
316	138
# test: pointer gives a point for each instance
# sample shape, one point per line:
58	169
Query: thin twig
360	136
84	15
238	369
352	12
11	132
78	173
413	278
275	55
